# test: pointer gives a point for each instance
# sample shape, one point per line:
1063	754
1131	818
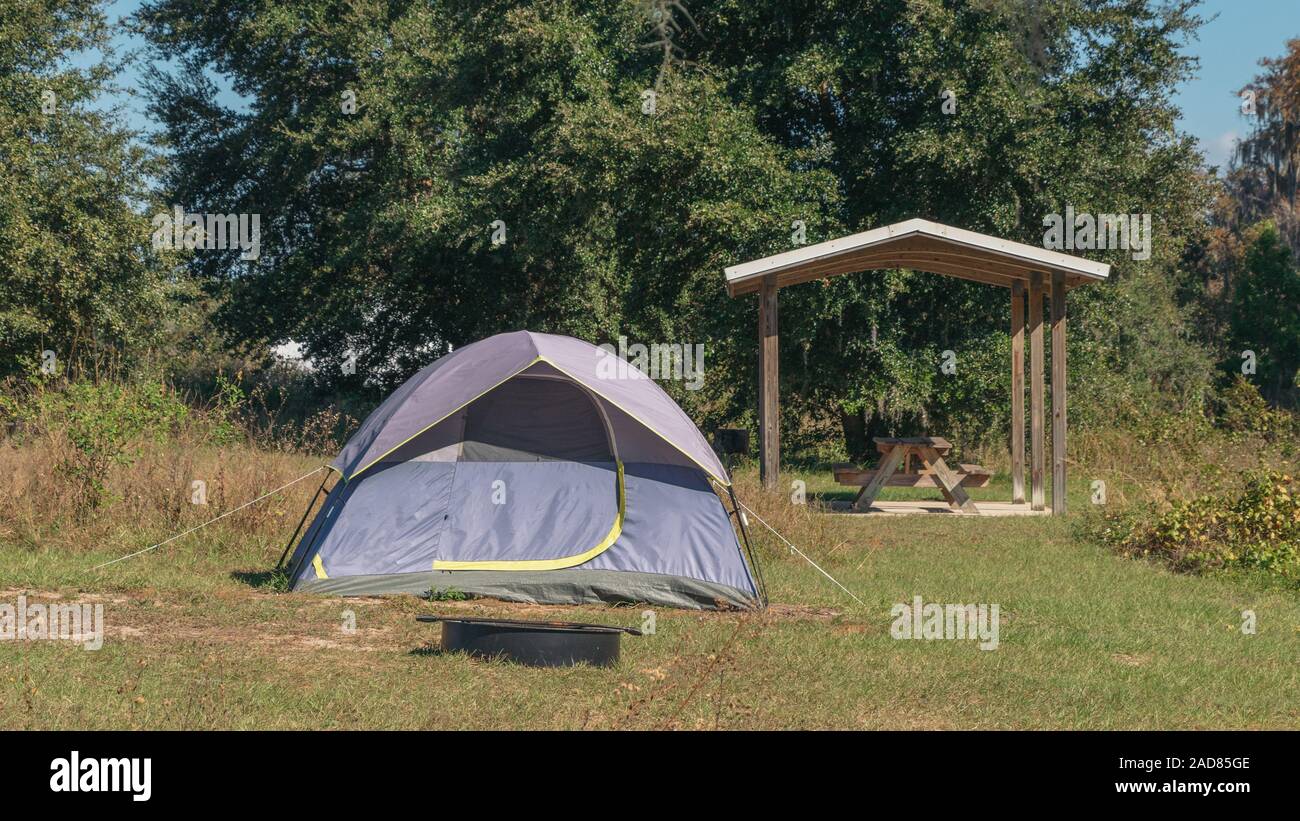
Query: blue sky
1230	47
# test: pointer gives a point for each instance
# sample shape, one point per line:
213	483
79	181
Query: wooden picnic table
933	472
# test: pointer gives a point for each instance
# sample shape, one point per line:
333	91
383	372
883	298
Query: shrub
1243	411
100	425
1257	528
226	425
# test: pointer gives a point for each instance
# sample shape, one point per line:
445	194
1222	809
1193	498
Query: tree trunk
855	433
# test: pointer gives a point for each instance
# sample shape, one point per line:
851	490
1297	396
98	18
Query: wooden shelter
921	245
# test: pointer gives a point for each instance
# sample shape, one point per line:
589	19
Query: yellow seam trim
552	564
634	416
320	568
443	419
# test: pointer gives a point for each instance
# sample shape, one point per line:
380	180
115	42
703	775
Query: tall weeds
94	465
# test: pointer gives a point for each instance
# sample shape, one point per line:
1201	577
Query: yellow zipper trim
551	564
320	568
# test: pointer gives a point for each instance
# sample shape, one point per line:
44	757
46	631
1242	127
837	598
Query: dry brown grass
150	495
1156	467
1154	474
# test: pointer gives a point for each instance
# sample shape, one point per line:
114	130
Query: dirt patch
851	628
253	638
799	612
261	622
53	595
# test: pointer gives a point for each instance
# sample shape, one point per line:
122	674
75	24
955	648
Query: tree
1266	314
1056	103
626	174
77	276
1249	300
1266	167
380	223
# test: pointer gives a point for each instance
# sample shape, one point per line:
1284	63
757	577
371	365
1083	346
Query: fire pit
534	643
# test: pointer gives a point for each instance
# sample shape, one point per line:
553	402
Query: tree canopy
426	174
77	276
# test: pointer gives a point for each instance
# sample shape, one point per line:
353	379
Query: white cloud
1220	149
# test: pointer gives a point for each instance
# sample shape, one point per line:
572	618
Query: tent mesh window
532	419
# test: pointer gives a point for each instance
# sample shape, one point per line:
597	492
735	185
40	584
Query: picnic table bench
922	460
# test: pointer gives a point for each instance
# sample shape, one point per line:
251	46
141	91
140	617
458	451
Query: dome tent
528	467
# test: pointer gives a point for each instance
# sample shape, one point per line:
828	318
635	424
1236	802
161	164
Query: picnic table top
937	442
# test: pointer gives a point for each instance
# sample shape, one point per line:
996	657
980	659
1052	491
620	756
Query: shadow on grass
430	650
829	496
436	651
272	581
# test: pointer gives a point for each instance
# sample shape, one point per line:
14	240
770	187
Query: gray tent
529	467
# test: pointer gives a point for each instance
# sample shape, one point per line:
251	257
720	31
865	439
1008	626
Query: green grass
198	637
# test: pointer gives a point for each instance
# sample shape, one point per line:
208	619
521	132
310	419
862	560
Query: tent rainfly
529	467
921	245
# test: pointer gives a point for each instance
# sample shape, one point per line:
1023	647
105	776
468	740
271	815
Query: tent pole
314	536
301	522
749	550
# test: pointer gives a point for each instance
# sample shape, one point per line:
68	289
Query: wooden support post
1036	466
769	403
1058	393
1018	392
